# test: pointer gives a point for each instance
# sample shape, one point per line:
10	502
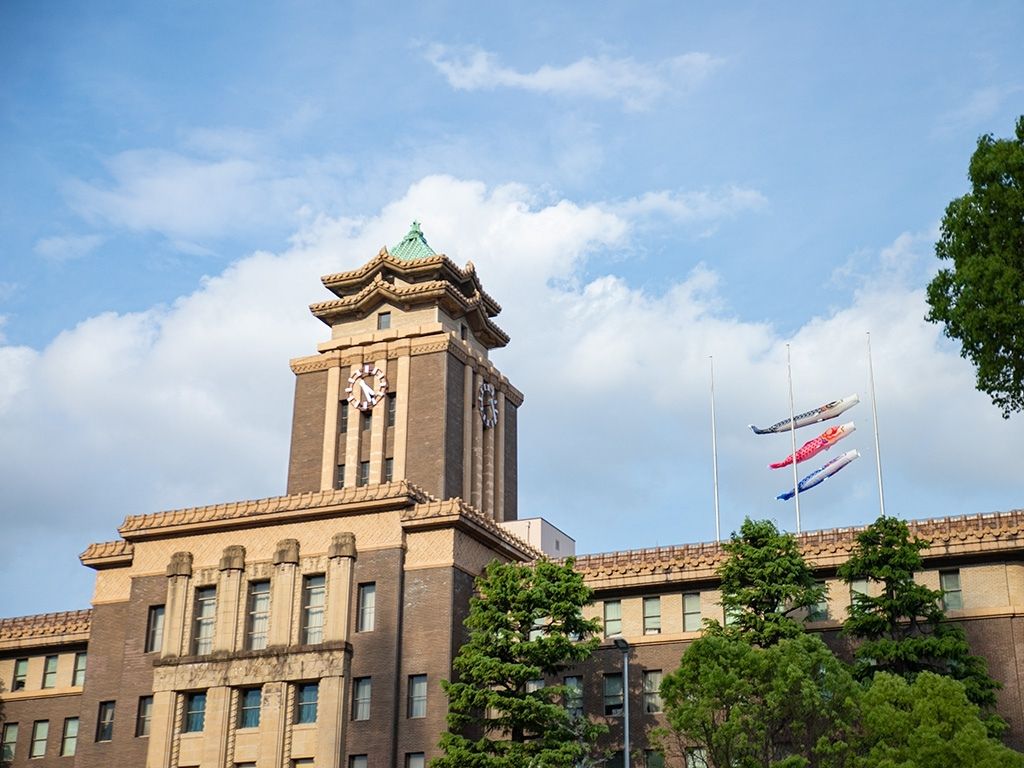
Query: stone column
330	718
499	461
341	557
179	592
488	493
330	450
216	724
467	433
282	592
272	725
478	450
229	598
378	421
161	730
352	440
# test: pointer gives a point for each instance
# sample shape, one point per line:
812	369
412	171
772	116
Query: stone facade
314	628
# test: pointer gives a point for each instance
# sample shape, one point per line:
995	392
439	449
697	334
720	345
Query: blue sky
640	185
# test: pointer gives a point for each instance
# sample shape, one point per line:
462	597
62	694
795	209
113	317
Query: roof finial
413	245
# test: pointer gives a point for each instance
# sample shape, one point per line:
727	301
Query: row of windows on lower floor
40	736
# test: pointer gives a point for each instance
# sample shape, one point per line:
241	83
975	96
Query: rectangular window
731	616
952	595
20	675
155	629
613	694
313	598
364	474
415	760
819	611
383	321
105	721
303	762
389	470
205	620
259	615
653	759
339	479
652	691
392	410
612	618
78	673
365	420
367	606
357	761
691	612
49	672
573	695
305	702
537	684
10	741
343	408
652	615
195	712
858	587
417	695
69	740
249	701
362	689
144	716
40	732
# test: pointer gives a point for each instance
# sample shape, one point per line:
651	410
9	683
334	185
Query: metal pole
625	706
874	418
792	434
714	451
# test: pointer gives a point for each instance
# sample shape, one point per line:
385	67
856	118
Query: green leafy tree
790	705
925	724
978	298
525	624
765	581
903	630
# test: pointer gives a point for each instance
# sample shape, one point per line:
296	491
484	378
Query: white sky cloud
636	84
65	248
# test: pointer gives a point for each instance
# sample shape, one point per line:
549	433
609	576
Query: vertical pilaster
229	597
401	416
377	428
273	703
330	451
467	433
161	730
330	720
282	592
352	440
478	452
215	725
340	558
179	592
499	461
488	493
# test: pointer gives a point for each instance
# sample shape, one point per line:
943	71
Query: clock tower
404	389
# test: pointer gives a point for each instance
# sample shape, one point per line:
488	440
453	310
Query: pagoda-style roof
413	246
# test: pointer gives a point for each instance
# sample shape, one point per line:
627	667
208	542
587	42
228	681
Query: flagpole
714	450
874	418
792	434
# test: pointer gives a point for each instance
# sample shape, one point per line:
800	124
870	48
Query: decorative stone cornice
108	554
41	628
436	513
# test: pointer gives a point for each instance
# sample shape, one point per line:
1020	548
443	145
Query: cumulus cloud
636	85
190	403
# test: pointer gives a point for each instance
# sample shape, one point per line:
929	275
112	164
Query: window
20	674
652	691
343	407
9	742
306	697
144	716
652	615
49	672
537	684
40	731
696	757
613	694
339	480
195	712
245	765
691	612
303	762
858	587
155	629
463	333
952	595
357	761
78	674
389	470
205	620
819	611
731	616
415	760
383	321
417	695
313	594
364	473
367	605
573	695
612	618
653	759
392	408
362	689
259	615
105	721
365	420
69	740
249	708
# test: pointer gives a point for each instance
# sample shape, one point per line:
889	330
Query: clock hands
370	395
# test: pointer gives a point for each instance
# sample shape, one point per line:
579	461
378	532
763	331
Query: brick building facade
314	628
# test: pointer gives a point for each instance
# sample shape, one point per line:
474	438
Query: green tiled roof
413	245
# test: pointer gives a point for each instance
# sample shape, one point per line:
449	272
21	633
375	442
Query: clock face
487	401
366	387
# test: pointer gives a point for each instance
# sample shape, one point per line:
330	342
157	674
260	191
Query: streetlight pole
623	645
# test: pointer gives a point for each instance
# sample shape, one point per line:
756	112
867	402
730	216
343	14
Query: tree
903	629
525	624
765	580
791	705
979	299
927	723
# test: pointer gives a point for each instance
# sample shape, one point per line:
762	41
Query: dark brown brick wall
426	439
308	432
455	399
511	462
51	708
